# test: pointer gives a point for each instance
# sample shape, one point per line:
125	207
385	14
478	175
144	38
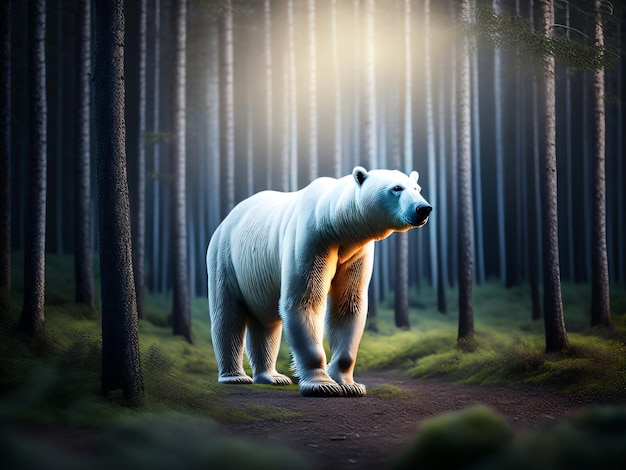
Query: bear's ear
360	174
414	176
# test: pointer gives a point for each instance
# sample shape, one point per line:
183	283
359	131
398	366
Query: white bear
278	258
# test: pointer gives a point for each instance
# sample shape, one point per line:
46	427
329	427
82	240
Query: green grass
508	348
57	381
478	438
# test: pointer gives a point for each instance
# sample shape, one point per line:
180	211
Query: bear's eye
397	189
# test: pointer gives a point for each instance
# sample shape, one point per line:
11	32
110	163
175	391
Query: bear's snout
422	214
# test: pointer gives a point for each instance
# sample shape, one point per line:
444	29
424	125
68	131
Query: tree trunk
369	132
499	136
181	308
213	127
443	247
476	173
534	200
293	100
401	297
556	335
83	250
621	175
430	139
249	148
121	367
464	184
156	150
600	301
57	136
269	100
285	149
369	124
570	210
227	118
139	229
5	151
442	222
534	212
337	160
357	93
313	164
32	319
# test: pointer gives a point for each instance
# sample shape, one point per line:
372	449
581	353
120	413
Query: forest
130	129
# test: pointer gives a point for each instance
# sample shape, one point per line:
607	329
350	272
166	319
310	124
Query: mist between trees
237	97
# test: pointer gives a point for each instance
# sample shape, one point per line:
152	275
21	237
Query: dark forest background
301	109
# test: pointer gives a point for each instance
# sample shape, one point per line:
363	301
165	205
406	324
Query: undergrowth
508	347
57	381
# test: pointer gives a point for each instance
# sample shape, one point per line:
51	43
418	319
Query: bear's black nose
423	211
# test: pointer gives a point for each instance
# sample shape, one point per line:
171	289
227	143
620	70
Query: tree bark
369	135
57	137
600	301
433	221
5	150
156	149
32	320
227	119
139	229
499	136
464	184
443	247
534	199
556	335
313	163
401	290
369	124
476	173
293	100
269	99
181	308
121	368
83	250
337	159
570	164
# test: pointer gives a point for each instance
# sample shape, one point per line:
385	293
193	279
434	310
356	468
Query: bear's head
391	200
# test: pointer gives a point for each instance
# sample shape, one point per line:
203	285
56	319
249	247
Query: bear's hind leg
227	333
262	346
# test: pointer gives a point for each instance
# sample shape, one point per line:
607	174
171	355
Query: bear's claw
272	379
329	389
235	379
354	390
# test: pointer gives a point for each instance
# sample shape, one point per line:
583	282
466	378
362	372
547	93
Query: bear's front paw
272	379
354	390
321	389
234	379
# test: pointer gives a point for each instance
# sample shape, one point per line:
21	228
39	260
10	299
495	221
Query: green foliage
58	382
151	443
508	348
478	438
458	440
515	34
388	392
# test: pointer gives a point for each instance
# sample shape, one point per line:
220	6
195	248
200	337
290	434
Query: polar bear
278	259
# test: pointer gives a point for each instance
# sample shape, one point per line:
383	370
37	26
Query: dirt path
369	432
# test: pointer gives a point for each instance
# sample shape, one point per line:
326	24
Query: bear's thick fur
279	259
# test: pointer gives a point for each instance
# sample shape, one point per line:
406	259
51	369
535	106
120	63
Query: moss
388	392
154	443
458	440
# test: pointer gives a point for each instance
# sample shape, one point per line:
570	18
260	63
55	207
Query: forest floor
370	432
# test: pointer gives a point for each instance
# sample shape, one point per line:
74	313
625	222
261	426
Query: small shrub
458	440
